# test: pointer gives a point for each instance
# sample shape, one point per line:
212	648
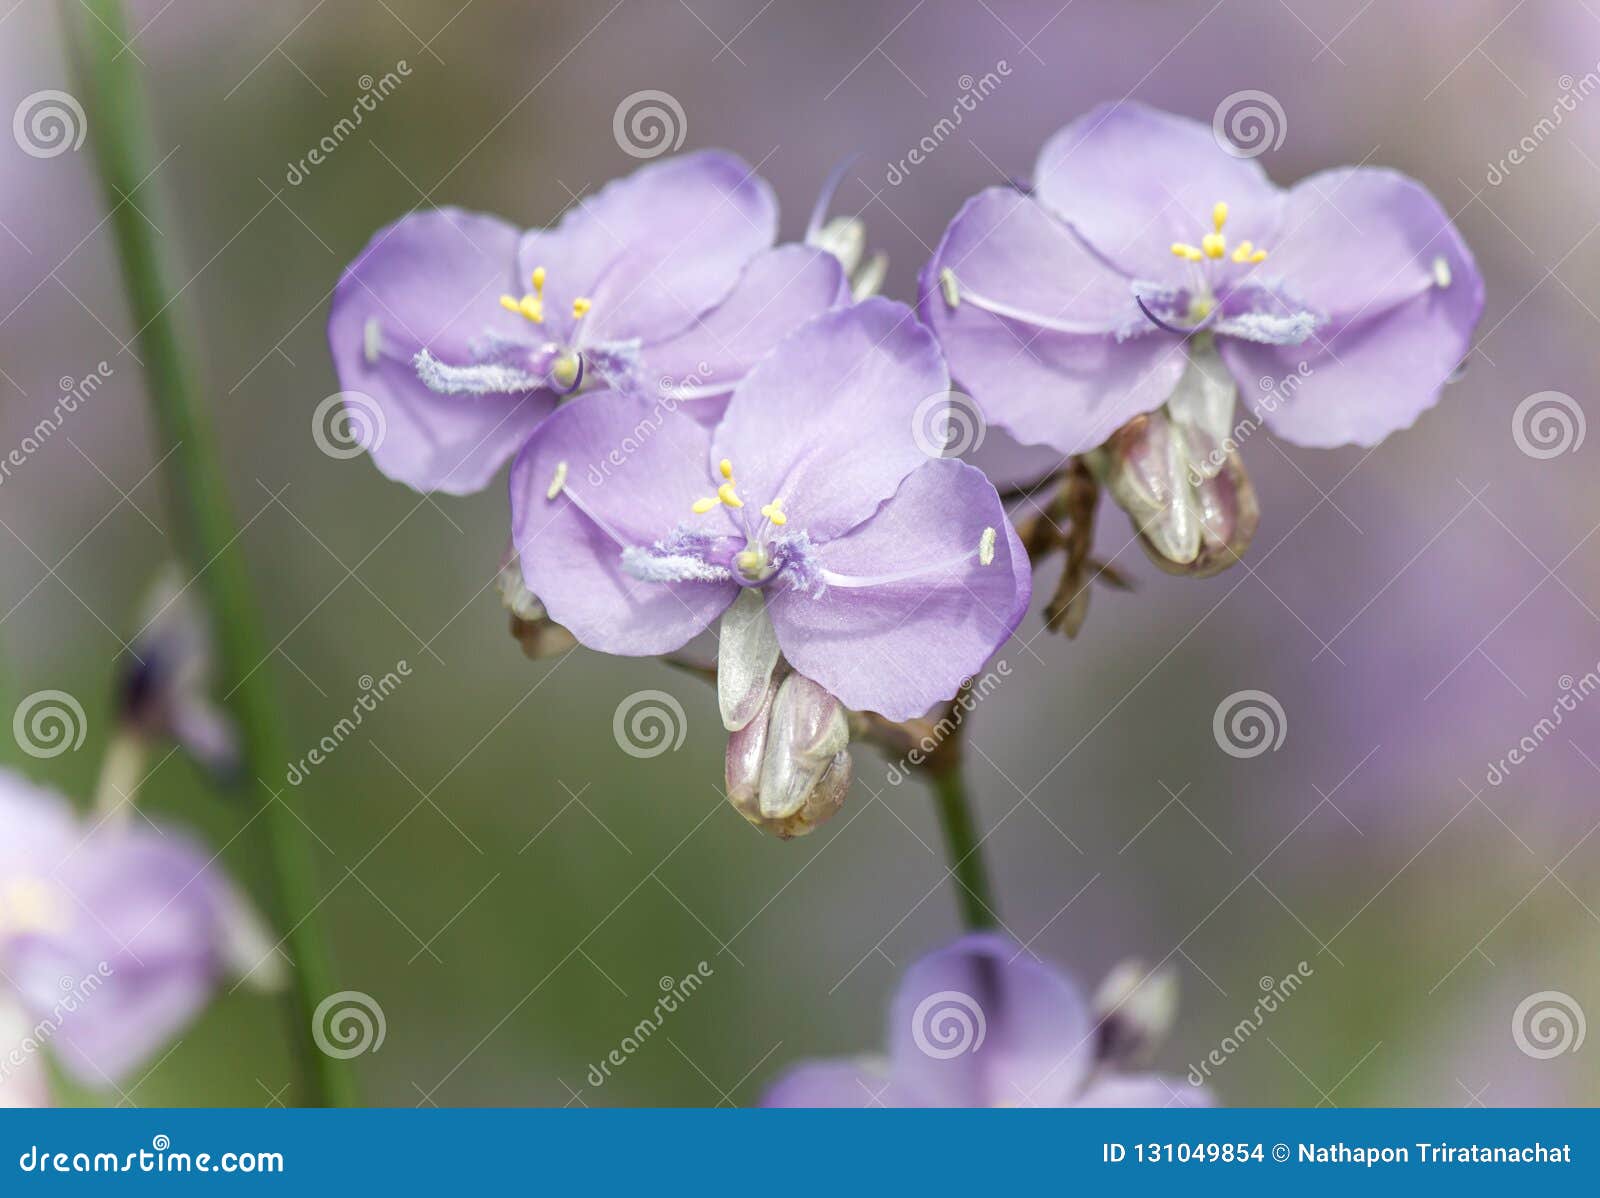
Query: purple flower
454	335
1146	252
112	938
980	1023
882	575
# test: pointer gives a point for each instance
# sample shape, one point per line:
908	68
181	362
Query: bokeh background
510	886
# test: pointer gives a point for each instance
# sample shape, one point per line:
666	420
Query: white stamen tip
949	288
1441	272
557	482
986	547
372	340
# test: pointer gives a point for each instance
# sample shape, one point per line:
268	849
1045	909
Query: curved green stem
964	849
120	135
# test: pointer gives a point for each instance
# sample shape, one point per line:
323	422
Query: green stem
961	843
124	152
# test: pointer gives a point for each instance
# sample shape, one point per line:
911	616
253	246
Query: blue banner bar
795	1152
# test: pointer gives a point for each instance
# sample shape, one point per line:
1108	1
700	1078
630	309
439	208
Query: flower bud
845	237
1177	472
1134	1013
164	683
789	768
535	631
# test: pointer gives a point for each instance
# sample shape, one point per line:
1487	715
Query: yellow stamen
1187	252
774	512
702	506
538	279
510	303
1242	252
726	467
558	481
728	496
1219	215
581	306
1214	244
1259	256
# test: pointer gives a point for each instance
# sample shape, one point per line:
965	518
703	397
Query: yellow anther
1187	252
1242	252
510	303
726	467
557	482
533	308
728	496
774	512
538	279
702	506
1219	215
1259	256
581	306
1214	244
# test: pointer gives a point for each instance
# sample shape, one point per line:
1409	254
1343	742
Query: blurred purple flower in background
1114	288
453	335
112	938
883	575
980	1023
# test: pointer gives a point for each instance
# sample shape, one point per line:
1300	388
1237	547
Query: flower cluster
710	432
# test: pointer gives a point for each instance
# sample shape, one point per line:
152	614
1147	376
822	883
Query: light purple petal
847	1083
1066	389
26	1084
900	647
631	473
779	291
1357	241
141	946
1143	1090
431	280
1133	180
826	421
653	250
1037	1042
1400	294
